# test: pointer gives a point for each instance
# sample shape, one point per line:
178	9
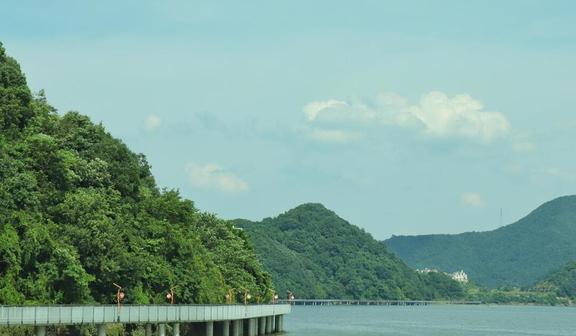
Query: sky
403	117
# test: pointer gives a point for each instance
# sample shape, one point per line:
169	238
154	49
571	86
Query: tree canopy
561	282
79	211
313	253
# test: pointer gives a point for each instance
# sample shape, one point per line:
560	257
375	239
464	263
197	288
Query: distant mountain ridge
518	254
312	252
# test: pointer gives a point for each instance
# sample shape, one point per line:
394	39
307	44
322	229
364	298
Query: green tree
79	211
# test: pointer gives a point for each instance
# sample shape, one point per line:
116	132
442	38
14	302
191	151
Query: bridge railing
97	314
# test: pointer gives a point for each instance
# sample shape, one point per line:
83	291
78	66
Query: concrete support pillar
209	329
148	329
279	323
162	329
223	328
254	327
176	329
236	327
242	333
101	329
40	330
261	326
246	327
251	327
268	325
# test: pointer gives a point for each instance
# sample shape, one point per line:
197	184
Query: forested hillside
79	211
314	253
562	282
515	255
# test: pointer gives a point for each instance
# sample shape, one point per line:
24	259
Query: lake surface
436	320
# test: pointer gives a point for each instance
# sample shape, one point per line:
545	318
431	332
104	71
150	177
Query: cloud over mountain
212	176
472	199
335	136
152	123
436	115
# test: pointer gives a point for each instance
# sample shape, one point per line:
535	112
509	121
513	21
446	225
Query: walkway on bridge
218	320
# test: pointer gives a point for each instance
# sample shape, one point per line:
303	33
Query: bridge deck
327	302
101	314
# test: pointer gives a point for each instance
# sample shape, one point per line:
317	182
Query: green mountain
79	211
514	255
314	253
562	282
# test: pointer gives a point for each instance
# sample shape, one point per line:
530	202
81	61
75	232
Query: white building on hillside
459	276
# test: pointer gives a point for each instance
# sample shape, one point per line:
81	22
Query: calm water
441	320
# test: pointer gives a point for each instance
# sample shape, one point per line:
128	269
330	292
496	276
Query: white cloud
472	199
329	135
568	176
314	108
461	115
436	114
212	176
153	122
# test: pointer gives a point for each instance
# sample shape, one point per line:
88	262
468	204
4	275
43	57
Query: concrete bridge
349	302
209	320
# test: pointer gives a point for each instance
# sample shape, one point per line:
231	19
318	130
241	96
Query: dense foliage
314	253
516	255
513	296
561	282
79	211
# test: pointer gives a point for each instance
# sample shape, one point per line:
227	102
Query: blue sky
404	117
